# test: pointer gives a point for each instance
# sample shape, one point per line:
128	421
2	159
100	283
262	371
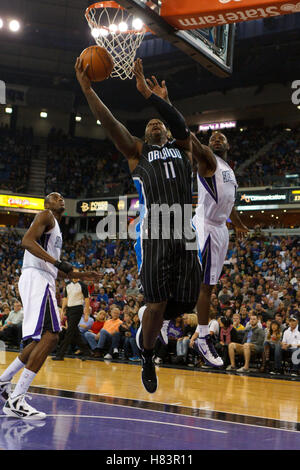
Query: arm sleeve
172	116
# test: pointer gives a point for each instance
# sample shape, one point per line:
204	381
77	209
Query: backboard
212	47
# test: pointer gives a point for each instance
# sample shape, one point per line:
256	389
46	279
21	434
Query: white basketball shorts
213	242
37	291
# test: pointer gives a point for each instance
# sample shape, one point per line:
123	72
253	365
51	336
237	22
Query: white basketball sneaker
206	348
163	335
19	408
5	389
139	335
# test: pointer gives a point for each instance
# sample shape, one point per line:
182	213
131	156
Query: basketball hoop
119	32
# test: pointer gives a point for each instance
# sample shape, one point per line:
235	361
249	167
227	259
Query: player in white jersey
217	188
41	323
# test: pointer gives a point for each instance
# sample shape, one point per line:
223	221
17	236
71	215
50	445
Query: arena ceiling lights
11	24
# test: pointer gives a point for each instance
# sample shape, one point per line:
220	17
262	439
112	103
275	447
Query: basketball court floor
102	405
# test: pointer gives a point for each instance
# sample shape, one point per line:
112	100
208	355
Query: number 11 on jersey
167	170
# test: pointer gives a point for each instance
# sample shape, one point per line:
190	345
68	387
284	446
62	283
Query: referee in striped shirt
75	303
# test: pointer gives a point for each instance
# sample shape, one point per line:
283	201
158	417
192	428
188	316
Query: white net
119	32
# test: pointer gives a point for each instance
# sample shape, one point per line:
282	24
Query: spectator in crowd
85	325
244	315
119	302
224	296
190	323
279	319
272	344
109	337
96	326
228	334
252	344
133	289
236	322
175	332
270	310
291	343
130	328
4	314
102	296
124	329
11	331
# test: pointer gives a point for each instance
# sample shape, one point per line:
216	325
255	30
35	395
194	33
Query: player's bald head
54	201
156	131
218	143
48	199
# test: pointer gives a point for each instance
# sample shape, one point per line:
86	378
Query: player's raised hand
81	74
141	83
159	89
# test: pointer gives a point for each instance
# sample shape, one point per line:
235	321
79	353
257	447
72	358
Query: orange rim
106	4
110	4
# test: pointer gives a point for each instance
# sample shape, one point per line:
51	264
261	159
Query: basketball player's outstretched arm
205	159
129	146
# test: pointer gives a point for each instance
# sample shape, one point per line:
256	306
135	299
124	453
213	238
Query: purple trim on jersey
214	195
38	329
207	248
47	238
215	188
55	324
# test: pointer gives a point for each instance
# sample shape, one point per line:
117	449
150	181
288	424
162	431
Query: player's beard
158	138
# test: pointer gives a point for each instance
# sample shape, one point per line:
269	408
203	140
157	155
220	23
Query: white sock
24	382
12	369
203	330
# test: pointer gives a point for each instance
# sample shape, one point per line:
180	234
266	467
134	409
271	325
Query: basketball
100	63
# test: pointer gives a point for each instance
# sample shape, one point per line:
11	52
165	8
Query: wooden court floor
229	393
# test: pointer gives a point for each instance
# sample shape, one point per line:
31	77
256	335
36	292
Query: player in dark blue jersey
170	272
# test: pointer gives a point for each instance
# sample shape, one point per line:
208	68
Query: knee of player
157	309
52	339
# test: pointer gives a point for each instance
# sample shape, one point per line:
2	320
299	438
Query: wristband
63	266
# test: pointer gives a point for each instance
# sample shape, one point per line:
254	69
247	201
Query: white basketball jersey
51	242
216	194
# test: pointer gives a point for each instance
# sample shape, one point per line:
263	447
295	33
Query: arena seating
245	270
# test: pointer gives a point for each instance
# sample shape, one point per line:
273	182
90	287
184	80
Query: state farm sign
192	14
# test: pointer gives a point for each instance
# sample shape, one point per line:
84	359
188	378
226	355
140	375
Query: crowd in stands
278	161
86	168
255	307
17	149
90	167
